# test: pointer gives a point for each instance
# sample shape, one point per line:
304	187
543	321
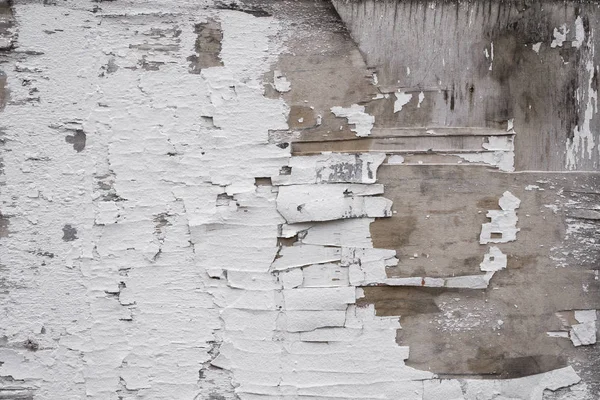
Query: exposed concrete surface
219	200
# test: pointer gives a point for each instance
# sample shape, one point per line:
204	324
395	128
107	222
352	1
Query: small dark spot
285	170
283	145
300	207
45	254
69	233
31	345
77	140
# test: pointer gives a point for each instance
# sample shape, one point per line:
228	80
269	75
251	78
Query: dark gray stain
149	65
77	140
110	68
4	93
488	363
69	233
344	172
4	222
160	221
216	396
6	23
207	46
252	10
106	184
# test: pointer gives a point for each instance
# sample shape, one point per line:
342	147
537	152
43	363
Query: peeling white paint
402	99
302	203
280	82
395	160
176	265
584	333
579	33
494	260
503	225
355	114
332	168
583	144
560	36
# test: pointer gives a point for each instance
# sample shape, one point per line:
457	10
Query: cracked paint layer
174	250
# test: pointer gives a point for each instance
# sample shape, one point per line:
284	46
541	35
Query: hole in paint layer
491	258
263	182
285	170
223	199
496	235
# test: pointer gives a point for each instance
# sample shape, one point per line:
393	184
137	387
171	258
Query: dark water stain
77	140
207	46
496	364
69	233
403	300
387	232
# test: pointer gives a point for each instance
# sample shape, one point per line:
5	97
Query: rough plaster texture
207	200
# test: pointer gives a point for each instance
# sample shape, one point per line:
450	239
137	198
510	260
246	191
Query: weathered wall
209	200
